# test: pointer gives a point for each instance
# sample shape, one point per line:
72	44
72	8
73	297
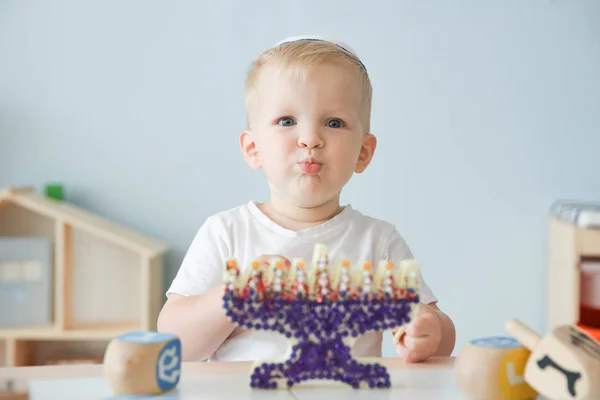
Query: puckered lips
310	166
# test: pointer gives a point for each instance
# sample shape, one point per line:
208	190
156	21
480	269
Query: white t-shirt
245	232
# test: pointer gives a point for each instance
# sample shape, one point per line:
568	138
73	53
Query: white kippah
338	43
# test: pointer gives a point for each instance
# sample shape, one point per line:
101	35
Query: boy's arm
198	320
194	307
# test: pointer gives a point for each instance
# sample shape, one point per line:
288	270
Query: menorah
321	310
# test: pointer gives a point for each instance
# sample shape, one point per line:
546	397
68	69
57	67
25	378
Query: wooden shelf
48	351
91	332
99	280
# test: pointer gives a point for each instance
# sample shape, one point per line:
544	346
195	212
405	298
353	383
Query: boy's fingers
402	351
410	355
415	343
420	326
415	349
267	259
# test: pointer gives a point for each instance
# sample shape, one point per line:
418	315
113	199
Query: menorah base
325	360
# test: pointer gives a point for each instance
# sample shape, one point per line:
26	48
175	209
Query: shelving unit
570	246
104	279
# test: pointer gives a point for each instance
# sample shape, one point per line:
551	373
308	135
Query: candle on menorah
321	311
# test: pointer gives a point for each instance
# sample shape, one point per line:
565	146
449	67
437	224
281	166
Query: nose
310	137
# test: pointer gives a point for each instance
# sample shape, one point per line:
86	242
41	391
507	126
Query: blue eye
286	122
334	123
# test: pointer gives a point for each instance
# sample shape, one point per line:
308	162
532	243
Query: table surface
430	380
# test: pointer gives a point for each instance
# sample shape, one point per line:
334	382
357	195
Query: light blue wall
486	113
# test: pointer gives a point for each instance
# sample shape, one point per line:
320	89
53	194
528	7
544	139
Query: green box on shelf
55	191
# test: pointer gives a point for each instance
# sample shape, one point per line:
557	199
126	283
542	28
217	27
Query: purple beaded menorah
321	312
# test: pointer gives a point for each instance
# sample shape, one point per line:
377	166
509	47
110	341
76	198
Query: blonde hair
300	56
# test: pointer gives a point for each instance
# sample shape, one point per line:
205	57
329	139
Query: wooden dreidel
143	363
564	364
492	368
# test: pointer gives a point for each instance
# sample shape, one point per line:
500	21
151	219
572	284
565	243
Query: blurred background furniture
70	281
574	266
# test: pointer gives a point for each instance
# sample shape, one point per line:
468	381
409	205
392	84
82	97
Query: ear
249	151
367	150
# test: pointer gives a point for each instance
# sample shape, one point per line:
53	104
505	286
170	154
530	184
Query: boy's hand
422	336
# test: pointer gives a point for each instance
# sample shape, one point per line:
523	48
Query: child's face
308	135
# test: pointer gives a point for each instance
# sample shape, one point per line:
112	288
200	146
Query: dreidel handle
522	333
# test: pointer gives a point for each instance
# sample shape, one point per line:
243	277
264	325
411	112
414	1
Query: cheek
277	150
346	151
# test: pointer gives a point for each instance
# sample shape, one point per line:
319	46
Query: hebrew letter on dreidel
571	376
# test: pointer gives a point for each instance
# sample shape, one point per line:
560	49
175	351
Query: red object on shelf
589	308
593	332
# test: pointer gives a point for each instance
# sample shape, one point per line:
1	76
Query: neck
295	217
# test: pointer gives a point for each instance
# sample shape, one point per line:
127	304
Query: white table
433	380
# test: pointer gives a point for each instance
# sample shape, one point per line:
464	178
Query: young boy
308	104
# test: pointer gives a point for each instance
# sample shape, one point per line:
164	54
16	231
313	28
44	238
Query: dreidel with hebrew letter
143	363
491	368
564	364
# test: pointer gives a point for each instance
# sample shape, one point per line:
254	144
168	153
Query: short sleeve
397	250
203	263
